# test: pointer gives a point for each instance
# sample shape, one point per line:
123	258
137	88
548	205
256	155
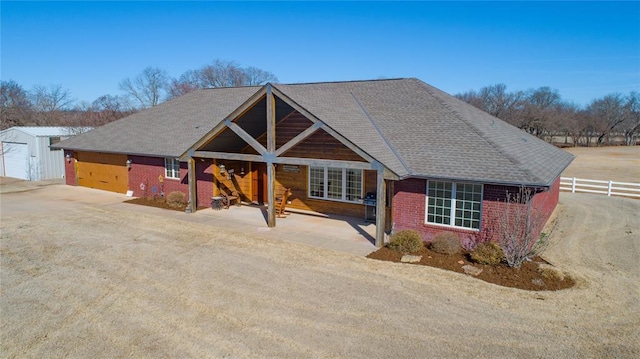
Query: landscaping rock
408	258
471	270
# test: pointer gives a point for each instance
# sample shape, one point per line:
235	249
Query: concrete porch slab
339	233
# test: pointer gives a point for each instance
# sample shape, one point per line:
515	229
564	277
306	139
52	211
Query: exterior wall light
68	158
129	164
222	169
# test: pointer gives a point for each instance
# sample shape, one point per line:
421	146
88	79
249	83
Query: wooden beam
389	175
271	120
255	98
323	163
204	140
191	177
271	195
270	155
299	138
329	130
229	156
246	137
247	105
381	199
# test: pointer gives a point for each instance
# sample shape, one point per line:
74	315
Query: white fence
610	188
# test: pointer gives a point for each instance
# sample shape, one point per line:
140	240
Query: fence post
573	185
609	188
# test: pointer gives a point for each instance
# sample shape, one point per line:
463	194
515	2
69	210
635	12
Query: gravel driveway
101	280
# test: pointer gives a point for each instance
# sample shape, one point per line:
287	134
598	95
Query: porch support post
381	198
191	177
270	155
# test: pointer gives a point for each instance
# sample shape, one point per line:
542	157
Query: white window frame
170	165
325	184
452	208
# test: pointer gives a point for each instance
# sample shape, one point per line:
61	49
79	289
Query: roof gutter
479	180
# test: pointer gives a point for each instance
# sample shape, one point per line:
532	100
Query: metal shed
25	152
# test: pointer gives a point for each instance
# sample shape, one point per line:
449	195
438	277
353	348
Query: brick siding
70	169
409	206
146	173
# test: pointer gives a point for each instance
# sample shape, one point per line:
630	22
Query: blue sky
585	50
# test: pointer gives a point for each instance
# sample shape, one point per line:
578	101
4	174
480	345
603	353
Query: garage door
15	159
104	171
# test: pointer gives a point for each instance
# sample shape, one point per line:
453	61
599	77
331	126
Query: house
413	155
26	152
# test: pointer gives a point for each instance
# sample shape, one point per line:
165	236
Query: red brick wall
547	201
409	206
204	181
70	169
147	171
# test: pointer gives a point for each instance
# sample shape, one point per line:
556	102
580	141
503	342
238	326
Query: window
171	168
338	184
53	141
454	204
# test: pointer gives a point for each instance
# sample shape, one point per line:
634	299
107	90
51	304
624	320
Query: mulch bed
158	202
529	276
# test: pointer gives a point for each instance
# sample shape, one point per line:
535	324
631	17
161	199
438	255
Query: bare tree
606	114
15	109
496	101
49	102
571	122
519	228
220	73
104	109
255	76
540	107
631	123
188	81
148	88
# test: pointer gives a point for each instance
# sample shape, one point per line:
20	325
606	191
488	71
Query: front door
259	182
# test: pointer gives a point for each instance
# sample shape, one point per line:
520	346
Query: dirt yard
103	279
621	164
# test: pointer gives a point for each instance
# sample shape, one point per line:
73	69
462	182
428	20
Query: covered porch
339	233
270	144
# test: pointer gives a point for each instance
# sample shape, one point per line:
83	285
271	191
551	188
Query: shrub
406	241
176	199
446	243
487	253
468	243
519	228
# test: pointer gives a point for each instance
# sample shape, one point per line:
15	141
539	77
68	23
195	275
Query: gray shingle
428	133
412	128
167	129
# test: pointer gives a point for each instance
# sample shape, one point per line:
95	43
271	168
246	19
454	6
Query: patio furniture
227	199
281	207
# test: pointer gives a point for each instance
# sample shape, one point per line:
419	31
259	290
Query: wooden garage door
104	171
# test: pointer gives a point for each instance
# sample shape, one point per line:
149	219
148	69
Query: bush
446	243
487	253
519	228
406	241
176	199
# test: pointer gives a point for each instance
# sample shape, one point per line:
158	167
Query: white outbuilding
25	152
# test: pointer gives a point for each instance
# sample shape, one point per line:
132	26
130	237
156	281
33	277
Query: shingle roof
417	130
414	129
166	130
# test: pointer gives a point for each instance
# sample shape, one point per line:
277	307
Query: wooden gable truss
272	155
